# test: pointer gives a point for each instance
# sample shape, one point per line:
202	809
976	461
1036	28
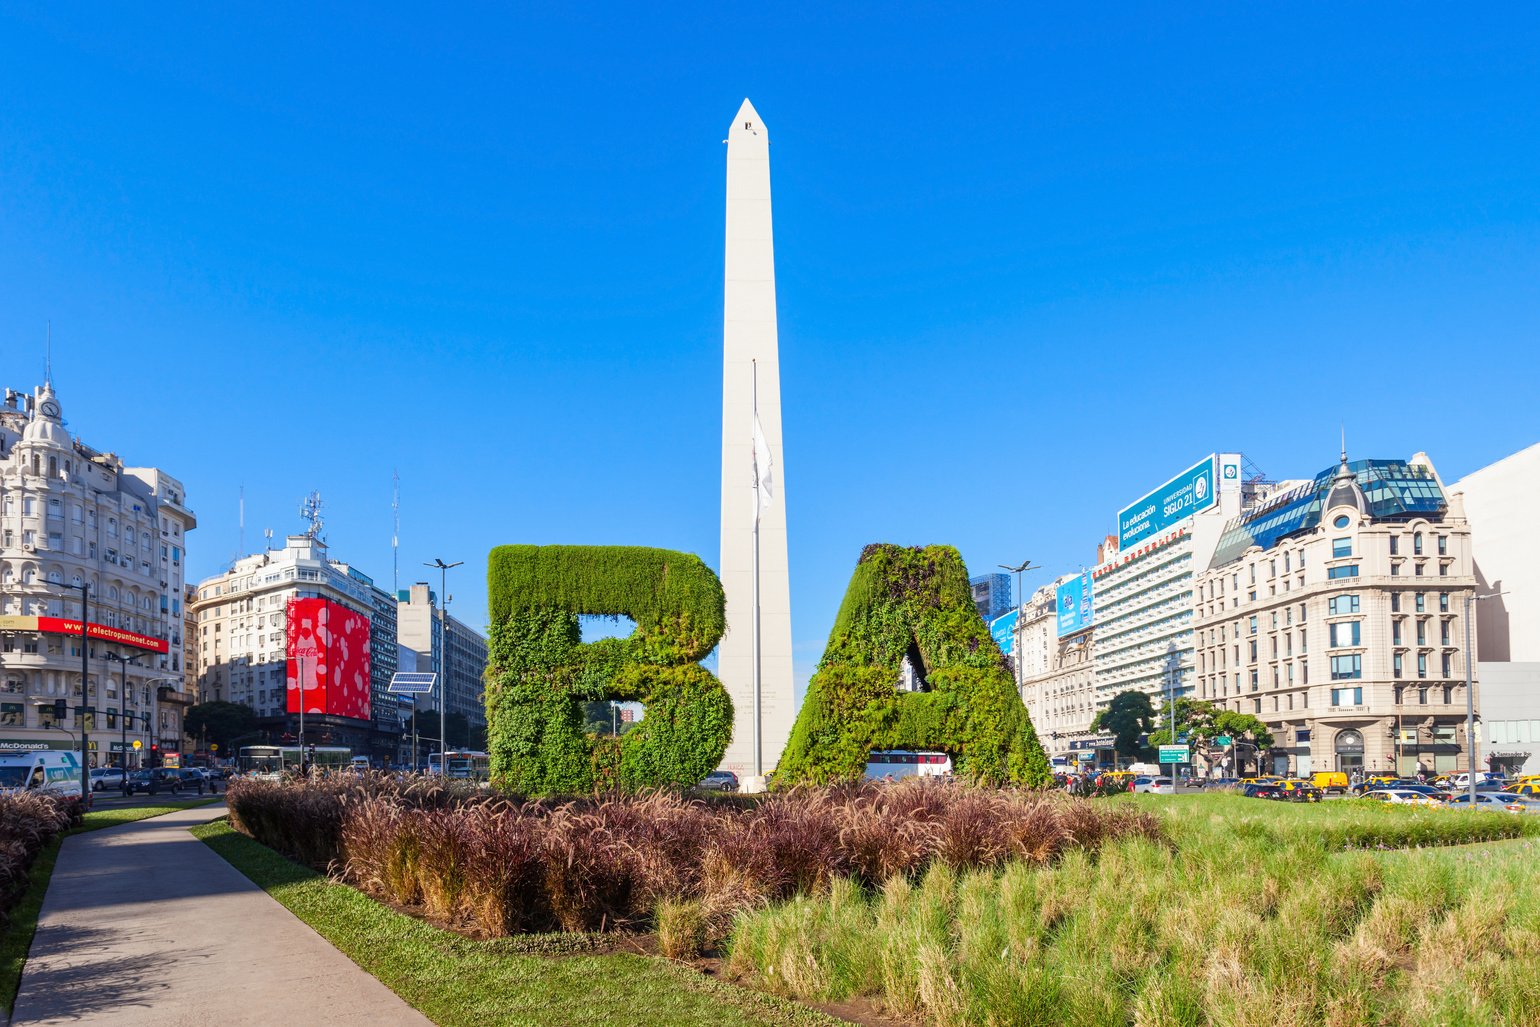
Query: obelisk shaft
749	343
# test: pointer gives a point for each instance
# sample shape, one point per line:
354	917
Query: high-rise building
1333	612
1143	583
753	533
1500	503
292	615
1057	681
75	520
991	594
450	648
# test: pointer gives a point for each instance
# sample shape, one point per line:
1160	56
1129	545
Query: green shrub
539	671
913	602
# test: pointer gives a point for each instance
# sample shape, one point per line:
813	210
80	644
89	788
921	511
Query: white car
1497	802
1155	785
1401	796
106	777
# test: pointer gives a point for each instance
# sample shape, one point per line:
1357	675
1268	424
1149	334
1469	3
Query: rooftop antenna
395	532
310	510
243	522
48	367
267	533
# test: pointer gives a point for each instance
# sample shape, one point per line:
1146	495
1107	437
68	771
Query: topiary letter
540	672
915	603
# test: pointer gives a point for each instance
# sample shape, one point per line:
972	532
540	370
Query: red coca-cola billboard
327	646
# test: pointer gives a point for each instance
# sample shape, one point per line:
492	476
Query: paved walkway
144	925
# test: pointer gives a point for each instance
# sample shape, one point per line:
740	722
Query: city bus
272	761
907	763
464	764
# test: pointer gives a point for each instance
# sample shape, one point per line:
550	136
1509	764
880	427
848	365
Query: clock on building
49	408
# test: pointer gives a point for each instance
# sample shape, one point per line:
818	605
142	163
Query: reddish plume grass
497	865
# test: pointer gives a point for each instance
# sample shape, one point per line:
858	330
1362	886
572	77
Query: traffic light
154	754
59	710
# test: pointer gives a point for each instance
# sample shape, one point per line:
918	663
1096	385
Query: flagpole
759	770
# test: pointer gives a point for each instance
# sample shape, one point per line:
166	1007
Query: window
1422	665
1443	570
1422	697
1417	544
1395	545
1342	521
1395	568
1341	547
1418	569
1348	570
1443	633
1302	646
1253	681
1443	545
1344	634
1339	606
1252	630
1395	602
1421	604
1347	696
1396	661
1422	632
1253	650
1345	668
1448	669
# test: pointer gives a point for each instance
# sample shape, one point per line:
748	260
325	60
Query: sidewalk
144	925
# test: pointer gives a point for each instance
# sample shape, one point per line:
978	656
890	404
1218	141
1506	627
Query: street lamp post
443	654
1470	696
124	661
1021	605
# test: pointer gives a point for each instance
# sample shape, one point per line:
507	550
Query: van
49	772
1330	781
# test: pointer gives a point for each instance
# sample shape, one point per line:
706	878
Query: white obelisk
751	382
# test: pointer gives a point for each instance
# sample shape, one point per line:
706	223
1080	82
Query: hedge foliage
539	671
912	601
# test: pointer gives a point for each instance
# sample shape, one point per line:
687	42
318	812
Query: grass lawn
459	982
16	940
1254	913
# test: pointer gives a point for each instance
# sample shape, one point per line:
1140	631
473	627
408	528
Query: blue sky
1031	262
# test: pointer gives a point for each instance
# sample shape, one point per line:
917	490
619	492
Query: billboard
327	647
1181	497
1072	600
1003	630
65	626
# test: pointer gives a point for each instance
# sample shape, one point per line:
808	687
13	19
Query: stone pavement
144	925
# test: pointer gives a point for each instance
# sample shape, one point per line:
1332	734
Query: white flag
762	465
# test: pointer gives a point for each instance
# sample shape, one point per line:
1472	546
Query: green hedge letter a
914	606
540	672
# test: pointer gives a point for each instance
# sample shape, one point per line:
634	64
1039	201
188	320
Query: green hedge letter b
540	672
915	605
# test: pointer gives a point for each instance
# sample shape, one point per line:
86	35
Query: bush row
498	866
28	821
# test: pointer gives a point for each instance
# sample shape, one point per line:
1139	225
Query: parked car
155	779
1496	802
1400	796
719	781
1293	789
53	773
1441	794
103	778
1154	785
193	780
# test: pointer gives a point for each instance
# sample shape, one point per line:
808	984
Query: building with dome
1332	611
82	536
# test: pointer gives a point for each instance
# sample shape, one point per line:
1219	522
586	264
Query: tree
1194	719
1243	726
220	723
1129	715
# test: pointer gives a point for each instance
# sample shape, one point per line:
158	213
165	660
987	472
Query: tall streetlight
123	716
1470	696
443	655
1021	605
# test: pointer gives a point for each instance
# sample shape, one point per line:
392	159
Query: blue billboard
1003	629
1181	497
1073	603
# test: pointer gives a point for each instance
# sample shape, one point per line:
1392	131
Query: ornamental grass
497	865
28	821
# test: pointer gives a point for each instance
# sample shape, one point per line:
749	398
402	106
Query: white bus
464	764
896	763
271	761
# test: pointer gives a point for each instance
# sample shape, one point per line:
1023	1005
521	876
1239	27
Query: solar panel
410	682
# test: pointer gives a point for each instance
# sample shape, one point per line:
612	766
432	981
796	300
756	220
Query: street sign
214	747
412	682
1222	740
138	744
1174	754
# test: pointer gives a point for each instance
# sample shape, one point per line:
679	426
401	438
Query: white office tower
751	382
